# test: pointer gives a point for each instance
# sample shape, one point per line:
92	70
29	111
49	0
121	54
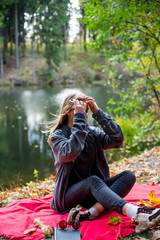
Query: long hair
61	117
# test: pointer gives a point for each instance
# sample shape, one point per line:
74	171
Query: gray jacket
68	144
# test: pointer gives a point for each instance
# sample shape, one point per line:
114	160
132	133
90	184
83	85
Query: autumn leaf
151	195
114	40
144	203
114	220
153	201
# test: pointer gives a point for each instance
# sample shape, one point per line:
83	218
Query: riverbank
79	68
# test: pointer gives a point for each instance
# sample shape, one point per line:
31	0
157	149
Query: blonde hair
61	117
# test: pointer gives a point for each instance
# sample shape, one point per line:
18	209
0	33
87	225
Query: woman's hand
80	106
92	104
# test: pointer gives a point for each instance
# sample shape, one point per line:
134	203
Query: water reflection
23	146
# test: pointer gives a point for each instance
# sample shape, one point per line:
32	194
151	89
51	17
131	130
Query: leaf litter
146	166
32	190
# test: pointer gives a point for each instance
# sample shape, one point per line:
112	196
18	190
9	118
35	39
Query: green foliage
80	67
140	133
138	119
128	31
49	19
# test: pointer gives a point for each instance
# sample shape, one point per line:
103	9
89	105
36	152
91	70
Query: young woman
82	171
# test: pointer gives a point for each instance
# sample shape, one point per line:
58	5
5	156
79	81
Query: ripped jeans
109	193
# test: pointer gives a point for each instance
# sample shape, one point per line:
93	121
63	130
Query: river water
23	147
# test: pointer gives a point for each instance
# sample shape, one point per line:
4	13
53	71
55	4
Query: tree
1	46
49	20
16	35
83	26
128	30
13	27
3	33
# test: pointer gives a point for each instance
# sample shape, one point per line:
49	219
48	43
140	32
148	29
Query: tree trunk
16	35
84	37
5	46
11	48
37	47
65	43
2	70
34	64
23	37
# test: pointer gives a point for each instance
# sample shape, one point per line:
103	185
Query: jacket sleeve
111	136
66	147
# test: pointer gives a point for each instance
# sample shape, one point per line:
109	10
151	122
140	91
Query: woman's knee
94	181
130	176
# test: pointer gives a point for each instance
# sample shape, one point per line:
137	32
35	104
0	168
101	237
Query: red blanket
19	216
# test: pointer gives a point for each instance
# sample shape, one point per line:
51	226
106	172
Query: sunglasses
63	224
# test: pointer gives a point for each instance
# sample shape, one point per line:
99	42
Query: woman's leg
95	189
92	190
121	183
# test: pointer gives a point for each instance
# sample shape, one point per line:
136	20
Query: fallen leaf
114	220
151	195
30	230
155	202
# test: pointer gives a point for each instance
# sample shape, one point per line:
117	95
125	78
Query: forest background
118	42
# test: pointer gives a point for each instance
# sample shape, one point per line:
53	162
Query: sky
74	24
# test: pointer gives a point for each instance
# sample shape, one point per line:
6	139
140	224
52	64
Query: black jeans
109	193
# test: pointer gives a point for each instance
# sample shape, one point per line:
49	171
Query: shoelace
145	210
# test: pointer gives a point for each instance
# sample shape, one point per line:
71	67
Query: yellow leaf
155	202
140	202
151	195
114	220
144	203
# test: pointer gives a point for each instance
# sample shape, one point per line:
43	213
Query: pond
23	146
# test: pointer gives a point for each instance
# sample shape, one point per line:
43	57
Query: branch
151	82
142	63
144	32
155	59
153	88
154	36
138	28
